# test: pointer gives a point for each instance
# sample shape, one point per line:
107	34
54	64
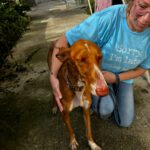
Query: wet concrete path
26	120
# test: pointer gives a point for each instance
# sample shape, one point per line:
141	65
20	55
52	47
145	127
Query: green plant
13	22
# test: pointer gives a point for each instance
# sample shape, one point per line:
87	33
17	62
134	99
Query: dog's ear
63	54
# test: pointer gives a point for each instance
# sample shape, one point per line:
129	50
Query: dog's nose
102	88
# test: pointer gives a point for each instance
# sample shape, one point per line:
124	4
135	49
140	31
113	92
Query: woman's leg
124	109
104	106
121	102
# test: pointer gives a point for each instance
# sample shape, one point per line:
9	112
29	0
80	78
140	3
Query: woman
123	33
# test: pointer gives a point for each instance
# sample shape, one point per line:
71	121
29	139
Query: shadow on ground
27	123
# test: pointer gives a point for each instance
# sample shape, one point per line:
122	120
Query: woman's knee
124	121
124	112
106	107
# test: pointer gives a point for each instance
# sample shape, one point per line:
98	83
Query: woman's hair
130	3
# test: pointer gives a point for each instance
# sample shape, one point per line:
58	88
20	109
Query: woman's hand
54	65
109	76
56	91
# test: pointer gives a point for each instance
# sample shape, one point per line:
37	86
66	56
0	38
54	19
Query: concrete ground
26	119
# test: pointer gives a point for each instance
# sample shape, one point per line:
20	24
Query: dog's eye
81	61
99	58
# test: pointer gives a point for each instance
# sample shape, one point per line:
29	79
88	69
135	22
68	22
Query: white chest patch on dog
80	83
77	100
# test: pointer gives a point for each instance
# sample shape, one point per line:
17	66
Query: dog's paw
94	146
54	110
74	145
97	148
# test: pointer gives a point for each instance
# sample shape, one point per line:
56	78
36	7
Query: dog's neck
73	77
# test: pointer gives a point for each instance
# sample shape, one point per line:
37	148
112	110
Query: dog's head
87	58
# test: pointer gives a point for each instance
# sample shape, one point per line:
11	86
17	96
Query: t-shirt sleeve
96	28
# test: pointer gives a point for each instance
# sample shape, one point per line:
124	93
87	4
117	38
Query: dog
79	77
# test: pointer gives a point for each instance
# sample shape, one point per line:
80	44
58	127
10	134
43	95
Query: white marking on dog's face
94	146
86	45
100	75
93	86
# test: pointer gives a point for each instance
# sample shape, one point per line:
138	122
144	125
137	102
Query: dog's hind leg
73	142
54	105
87	120
54	109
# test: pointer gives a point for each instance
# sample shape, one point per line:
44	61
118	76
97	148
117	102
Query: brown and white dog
79	77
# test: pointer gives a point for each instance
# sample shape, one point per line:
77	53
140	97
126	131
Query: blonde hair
130	4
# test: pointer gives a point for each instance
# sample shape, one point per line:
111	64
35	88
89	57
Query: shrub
13	22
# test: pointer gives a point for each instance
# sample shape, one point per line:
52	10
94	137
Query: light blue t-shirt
122	48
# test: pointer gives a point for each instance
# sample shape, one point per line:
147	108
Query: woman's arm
54	66
132	74
111	77
53	63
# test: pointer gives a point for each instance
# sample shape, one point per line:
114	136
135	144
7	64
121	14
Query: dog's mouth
100	87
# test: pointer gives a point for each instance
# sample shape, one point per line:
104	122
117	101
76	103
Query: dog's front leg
73	142
87	120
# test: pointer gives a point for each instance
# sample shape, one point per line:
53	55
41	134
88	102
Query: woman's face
139	17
